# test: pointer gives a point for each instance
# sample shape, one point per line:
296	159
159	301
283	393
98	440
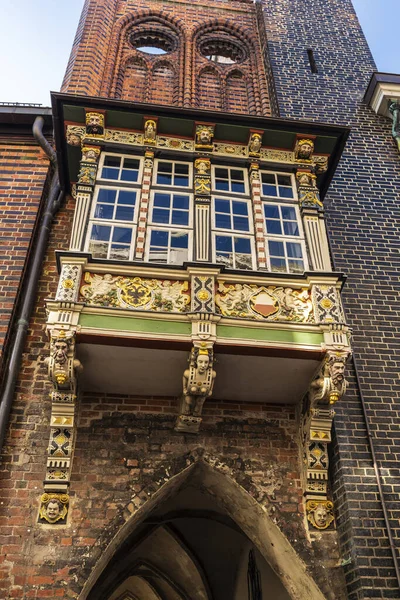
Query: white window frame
279	198
172	185
235	199
114	222
155	227
170	227
245	180
233	234
119	180
300	239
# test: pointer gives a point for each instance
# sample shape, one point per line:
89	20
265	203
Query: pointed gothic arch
238	504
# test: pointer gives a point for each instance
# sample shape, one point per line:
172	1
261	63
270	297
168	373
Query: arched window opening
222	48
163	84
237	99
153	38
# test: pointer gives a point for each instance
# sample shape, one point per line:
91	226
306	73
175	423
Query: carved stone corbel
327	388
198	383
62	368
394	109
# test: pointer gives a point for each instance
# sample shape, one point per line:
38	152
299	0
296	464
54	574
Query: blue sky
37	35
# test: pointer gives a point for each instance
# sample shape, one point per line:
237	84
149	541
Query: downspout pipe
29	292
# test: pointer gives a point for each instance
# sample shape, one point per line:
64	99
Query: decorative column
312	213
62	370
254	151
204	134
87	176
150	140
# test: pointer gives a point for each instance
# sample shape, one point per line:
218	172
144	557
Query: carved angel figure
100	287
298	303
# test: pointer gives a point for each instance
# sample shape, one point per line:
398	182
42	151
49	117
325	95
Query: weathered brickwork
183	76
363	218
23	171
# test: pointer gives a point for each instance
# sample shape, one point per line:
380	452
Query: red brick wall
101	50
23	170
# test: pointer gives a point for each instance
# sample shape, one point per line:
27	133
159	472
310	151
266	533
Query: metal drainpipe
52	205
372	447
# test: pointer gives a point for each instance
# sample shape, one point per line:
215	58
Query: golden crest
134	292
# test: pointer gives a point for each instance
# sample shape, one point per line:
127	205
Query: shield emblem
263	303
135	293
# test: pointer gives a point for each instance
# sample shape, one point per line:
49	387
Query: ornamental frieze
136	293
264	303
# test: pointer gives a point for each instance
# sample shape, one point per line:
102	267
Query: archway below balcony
200	536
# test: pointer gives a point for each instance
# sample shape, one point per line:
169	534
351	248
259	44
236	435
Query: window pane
178	256
127	198
278	265
179	239
241	223
129	175
162	200
165	167
269	190
268	178
284	180
271	211
104	211
285	192
159	238
112	161
106	195
118	252
223	243
124	213
290	228
239	208
222	185
181	169
158	254
296	266
122	234
223	173
100	232
294	250
223	221
109	173
161	215
237	187
180	217
98	249
276	248
164	179
181	202
181	180
274	227
242	245
243	261
131	163
222	206
237	175
288	213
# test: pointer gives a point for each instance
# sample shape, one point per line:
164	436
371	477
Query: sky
37	36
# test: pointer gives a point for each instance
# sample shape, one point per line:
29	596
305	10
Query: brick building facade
205	153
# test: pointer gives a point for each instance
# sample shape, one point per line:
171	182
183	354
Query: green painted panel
133	324
270	335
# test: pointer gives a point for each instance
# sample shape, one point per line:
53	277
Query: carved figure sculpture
61	363
90	154
331	384
150	131
94	123
54	507
320	513
304	149
204	136
198	381
255	144
202	166
73	139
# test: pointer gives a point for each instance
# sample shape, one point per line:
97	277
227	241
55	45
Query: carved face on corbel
54	507
320	513
204	135
60	351
94	123
304	149
73	139
150	130
90	154
202	166
336	370
305	178
255	143
203	362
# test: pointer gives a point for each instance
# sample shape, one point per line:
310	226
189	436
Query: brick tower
201	411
